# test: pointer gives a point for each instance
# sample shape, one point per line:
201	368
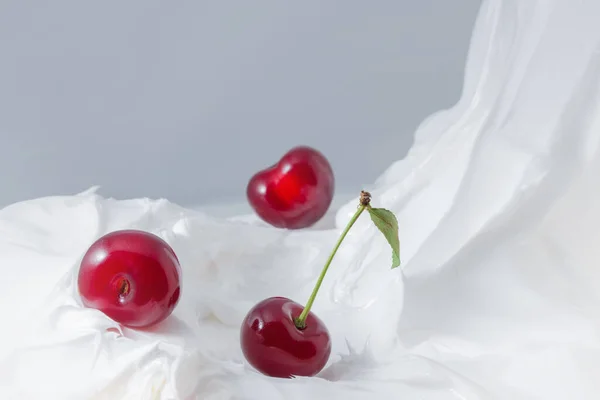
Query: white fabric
499	211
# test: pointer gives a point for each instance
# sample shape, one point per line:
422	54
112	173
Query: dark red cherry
131	276
296	192
273	344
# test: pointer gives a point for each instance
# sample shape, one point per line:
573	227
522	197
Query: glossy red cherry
273	344
131	276
296	192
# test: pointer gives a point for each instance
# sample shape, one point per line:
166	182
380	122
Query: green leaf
387	223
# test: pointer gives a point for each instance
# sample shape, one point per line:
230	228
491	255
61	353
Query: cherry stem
365	199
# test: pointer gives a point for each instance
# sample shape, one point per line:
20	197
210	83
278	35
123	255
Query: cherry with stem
280	338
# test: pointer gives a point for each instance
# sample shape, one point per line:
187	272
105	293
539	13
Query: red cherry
296	192
132	277
273	344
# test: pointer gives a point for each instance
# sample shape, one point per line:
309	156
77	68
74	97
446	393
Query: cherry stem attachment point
365	200
124	287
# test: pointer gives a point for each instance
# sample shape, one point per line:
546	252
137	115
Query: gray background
187	99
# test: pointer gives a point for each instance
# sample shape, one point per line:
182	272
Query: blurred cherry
296	192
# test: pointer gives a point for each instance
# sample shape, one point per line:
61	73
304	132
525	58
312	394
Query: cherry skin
296	192
131	276
273	344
